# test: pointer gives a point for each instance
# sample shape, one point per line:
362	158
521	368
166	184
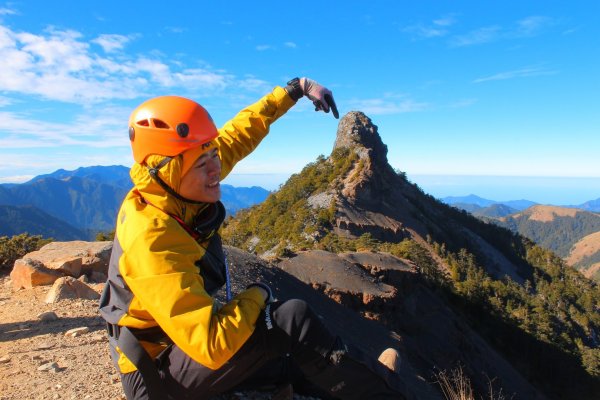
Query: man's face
201	182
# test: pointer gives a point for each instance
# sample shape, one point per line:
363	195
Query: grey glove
321	97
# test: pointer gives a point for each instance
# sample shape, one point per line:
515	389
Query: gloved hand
321	97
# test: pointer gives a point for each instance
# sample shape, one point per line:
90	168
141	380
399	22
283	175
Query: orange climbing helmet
169	125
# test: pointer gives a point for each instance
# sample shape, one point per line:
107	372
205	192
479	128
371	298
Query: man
169	338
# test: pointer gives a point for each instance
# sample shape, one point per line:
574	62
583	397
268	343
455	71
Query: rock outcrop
372	177
388	290
368	186
60	259
373	198
28	273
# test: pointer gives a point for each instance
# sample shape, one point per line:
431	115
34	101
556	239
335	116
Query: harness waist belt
153	335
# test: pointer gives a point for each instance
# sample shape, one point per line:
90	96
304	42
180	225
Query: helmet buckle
183	129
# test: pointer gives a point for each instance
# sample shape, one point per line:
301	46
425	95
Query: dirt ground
39	360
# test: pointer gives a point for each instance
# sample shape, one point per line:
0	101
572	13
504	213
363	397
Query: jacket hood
154	194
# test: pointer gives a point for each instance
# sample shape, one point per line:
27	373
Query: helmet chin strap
154	174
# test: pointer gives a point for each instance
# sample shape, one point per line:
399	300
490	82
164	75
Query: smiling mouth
213	185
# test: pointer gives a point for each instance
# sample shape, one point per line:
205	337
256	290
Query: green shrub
11	249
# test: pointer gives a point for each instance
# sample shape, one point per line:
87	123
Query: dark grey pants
290	344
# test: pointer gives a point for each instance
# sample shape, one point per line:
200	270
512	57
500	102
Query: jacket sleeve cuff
265	287
284	100
253	294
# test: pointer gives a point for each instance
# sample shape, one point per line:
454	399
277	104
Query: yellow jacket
155	277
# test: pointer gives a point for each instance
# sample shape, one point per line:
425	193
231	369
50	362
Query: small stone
36	357
47	316
44	346
70	288
77	331
4	359
83	278
48	366
98	338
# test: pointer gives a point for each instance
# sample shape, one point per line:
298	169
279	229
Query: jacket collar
152	192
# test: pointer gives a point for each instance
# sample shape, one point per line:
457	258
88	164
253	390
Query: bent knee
294	310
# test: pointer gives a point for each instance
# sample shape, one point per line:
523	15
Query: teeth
213	184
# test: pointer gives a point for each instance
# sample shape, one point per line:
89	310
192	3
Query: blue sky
462	88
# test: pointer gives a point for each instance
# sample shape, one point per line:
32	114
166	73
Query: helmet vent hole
143	122
160	124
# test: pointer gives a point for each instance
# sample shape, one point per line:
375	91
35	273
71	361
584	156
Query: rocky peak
356	130
372	178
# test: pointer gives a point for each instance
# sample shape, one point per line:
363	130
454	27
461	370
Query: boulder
28	273
68	287
76	257
56	259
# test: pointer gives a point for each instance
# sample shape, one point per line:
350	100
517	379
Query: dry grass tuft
457	386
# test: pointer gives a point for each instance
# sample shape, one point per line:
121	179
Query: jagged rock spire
372	179
357	130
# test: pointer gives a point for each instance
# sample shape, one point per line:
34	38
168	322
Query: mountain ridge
88	199
354	201
32	220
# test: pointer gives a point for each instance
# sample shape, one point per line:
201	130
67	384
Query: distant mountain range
19	219
115	175
490	208
77	204
572	232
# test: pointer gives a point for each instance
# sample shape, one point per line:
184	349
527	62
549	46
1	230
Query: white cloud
436	28
253	84
60	51
61	65
532	25
424	31
479	36
175	29
447	20
7	11
263	47
523	28
389	104
111	42
518	73
97	128
291	45
200	78
463	103
16	178
5	101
